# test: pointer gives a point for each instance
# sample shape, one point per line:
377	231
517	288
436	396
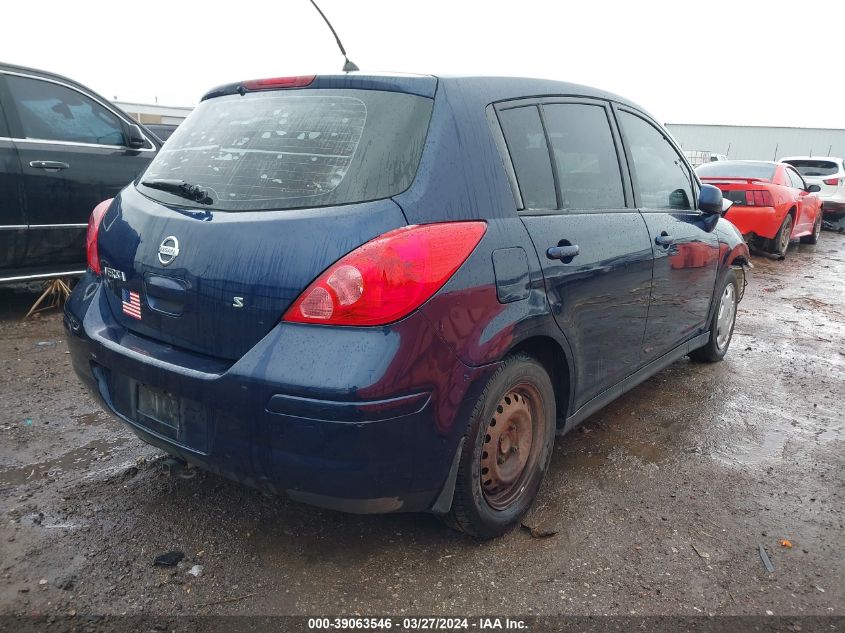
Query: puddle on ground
772	444
77	459
649	453
91	419
599	446
773	439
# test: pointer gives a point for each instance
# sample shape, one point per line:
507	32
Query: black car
63	149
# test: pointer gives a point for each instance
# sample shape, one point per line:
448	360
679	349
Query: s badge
113	273
237	302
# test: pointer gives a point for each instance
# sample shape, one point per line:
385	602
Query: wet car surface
658	503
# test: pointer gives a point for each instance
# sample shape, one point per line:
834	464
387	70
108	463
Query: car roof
25	70
501	88
487	88
829	158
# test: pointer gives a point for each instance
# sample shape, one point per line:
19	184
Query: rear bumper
354	419
834	208
759	221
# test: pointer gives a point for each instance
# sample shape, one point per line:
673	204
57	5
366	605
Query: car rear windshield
814	167
295	148
729	169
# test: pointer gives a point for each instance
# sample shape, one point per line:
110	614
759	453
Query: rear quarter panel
462	177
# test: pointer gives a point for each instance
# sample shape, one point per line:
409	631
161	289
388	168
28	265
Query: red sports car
772	205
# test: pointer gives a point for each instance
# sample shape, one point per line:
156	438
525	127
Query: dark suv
382	293
63	149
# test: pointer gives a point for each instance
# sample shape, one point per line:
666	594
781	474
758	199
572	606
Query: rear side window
529	153
795	179
815	167
50	111
659	171
296	148
585	156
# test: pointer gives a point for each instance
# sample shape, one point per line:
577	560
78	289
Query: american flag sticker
132	304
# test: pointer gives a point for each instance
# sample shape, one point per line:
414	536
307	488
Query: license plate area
159	410
174	417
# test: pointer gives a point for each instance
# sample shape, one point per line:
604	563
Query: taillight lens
759	198
388	277
831	181
93	233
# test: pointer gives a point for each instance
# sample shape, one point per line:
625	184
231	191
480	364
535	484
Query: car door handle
49	165
563	252
664	239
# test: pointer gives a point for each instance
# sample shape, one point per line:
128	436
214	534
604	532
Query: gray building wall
759	143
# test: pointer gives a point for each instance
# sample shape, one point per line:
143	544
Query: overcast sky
743	62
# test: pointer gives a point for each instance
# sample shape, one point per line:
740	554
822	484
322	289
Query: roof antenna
348	66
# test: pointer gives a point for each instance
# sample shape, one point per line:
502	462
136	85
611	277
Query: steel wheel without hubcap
813	238
785	235
725	316
511	446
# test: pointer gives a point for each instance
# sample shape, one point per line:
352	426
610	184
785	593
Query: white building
759	143
148	113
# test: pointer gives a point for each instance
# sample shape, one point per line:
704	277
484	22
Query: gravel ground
658	504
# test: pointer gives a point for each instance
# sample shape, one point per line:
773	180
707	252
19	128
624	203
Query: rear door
12	218
73	155
592	244
685	247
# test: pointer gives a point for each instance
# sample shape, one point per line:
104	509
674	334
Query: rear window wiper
179	188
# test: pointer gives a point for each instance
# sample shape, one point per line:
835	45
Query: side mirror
813	189
134	137
710	200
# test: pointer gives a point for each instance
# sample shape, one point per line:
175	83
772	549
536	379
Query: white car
828	173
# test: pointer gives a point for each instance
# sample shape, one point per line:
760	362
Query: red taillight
759	198
275	83
93	233
388	277
831	181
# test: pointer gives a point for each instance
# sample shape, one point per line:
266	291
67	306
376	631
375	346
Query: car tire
506	451
780	243
722	324
813	238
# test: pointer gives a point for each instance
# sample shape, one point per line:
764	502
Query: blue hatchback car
381	293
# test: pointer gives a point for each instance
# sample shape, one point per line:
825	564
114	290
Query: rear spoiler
420	85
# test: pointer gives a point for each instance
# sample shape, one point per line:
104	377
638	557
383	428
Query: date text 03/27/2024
416	624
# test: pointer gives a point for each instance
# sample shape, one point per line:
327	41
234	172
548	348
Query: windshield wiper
179	188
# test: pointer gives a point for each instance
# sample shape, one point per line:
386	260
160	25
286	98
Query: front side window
659	171
53	112
529	153
585	156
